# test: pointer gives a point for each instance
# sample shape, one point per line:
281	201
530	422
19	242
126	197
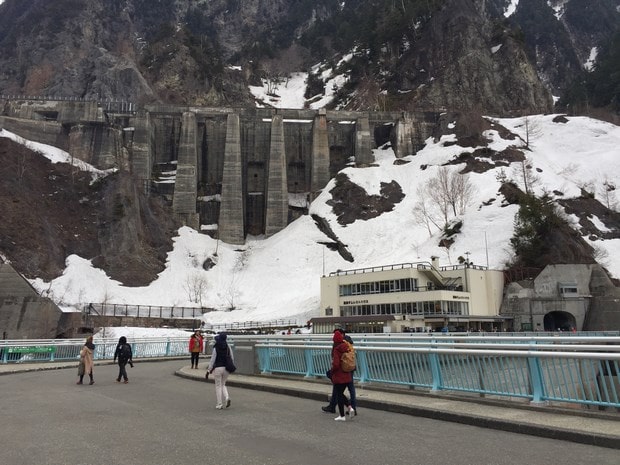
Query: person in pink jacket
340	378
195	347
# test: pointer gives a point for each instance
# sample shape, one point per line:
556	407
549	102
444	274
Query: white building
418	296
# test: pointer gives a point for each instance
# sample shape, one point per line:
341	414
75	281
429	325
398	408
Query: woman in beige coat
86	359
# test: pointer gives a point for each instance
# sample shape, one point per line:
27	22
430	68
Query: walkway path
586	427
159	418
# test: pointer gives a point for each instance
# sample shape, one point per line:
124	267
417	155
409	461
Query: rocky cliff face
468	59
562	36
466	54
50	211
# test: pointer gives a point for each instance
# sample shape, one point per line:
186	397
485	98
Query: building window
379	287
568	290
428	308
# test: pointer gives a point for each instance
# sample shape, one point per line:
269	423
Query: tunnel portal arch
559	320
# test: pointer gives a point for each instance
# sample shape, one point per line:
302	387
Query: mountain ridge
454	54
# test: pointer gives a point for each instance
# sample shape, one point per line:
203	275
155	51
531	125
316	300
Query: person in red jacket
340	378
195	347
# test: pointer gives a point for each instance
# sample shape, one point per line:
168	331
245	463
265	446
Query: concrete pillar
320	152
276	217
230	224
363	147
142	158
404	131
186	186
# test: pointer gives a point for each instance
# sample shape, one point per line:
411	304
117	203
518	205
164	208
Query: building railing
59	350
403	266
577	370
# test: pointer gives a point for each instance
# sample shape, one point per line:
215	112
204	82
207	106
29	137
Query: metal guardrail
253	325
145	311
577	370
57	350
109	105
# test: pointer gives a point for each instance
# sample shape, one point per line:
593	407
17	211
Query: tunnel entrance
562	321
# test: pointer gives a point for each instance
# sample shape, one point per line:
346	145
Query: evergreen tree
534	222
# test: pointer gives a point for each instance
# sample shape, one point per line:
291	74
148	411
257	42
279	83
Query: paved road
162	419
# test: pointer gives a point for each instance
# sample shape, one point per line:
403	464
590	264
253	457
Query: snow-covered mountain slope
279	277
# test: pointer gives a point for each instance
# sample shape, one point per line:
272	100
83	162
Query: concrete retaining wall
224	157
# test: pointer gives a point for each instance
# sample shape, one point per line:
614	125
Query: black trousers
339	390
195	356
122	371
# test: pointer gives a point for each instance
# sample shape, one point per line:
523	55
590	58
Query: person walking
340	378
221	357
87	360
350	407
124	354
195	347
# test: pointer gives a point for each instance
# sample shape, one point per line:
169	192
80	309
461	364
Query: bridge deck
570	424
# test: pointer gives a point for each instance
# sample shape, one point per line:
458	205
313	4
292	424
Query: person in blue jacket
217	366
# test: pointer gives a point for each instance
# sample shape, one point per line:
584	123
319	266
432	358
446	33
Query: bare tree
445	196
232	291
196	287
607	192
273	79
22	164
524	171
533	131
452	191
461	193
423	212
437	189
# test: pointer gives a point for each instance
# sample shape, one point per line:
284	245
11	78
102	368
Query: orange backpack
347	359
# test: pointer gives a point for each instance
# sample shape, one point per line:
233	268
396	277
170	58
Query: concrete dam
229	172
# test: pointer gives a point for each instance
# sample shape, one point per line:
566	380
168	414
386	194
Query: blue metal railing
581	370
58	350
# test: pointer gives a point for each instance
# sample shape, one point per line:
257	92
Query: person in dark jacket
217	366
340	378
124	355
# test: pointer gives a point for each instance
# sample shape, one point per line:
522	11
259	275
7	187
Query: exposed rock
351	202
464	60
336	245
50	211
466	56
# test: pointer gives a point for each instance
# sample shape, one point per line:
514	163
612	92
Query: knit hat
338	337
221	337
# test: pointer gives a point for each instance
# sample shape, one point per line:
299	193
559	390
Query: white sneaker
351	413
219	406
340	419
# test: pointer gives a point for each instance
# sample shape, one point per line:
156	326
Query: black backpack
124	352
